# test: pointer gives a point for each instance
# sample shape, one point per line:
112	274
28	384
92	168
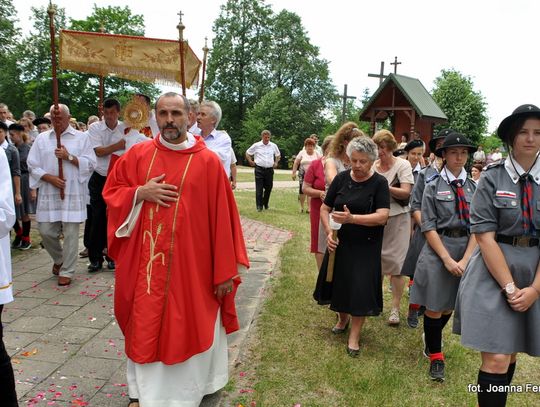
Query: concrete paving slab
25	303
70	334
54	311
104	348
85	366
33	324
17	340
48	351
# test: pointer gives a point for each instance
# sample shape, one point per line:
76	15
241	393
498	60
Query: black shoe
95	266
353	353
259	208
338	331
25	245
16	242
412	318
111	265
265	206
436	370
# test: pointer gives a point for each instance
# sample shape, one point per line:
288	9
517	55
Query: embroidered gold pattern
149	233
6	286
153	255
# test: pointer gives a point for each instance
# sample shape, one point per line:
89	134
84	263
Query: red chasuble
167	270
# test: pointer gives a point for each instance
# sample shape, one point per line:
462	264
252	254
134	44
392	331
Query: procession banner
129	57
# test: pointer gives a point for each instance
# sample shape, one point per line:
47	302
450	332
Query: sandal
133	402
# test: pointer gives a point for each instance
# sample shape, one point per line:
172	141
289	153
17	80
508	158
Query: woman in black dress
359	200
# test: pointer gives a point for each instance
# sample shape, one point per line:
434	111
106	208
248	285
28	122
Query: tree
464	107
237	63
10	85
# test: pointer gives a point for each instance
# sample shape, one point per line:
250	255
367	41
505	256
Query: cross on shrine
180	14
381	75
345	97
395	63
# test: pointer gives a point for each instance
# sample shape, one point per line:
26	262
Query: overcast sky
492	41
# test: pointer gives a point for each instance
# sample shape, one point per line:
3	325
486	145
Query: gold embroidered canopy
129	57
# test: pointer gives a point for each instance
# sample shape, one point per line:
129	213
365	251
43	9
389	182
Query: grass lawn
294	360
250	176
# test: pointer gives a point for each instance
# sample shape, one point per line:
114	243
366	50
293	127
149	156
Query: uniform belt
264	168
453	232
520	241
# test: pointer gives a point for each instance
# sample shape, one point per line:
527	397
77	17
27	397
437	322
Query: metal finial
51	10
205	48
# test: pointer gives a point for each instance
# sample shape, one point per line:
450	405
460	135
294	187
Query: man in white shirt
264	156
192	117
218	141
54	214
4	114
106	137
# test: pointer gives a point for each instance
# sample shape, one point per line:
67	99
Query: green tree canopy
10	84
464	107
236	73
260	58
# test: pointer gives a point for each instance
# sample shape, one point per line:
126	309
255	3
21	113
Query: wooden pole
101	86
331	260
205	50
51	11
181	28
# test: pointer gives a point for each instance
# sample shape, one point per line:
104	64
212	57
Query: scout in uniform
497	308
445	224
418	240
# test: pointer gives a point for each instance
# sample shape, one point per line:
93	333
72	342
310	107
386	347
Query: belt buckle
521	241
453	233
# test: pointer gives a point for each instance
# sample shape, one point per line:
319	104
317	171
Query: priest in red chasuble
175	234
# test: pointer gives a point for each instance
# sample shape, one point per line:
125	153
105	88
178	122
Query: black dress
356	288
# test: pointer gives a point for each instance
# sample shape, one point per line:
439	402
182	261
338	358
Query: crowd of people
468	242
377	208
157	201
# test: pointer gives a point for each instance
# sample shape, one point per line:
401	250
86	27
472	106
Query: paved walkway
66	347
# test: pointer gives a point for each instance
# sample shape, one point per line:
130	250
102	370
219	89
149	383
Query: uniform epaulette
494	165
431	178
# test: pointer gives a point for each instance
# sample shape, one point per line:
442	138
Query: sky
492	41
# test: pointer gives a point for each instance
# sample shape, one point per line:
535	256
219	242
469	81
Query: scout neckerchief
526	199
462	207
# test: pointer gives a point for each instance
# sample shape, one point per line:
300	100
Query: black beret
414	144
41	120
16	127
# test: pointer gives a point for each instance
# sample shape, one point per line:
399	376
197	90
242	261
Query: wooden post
101	86
345	97
181	28
205	50
395	63
381	75
51	11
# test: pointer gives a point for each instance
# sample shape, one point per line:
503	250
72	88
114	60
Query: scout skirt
483	316
434	286
418	241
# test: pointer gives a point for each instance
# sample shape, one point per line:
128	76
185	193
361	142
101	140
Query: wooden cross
345	97
395	63
381	75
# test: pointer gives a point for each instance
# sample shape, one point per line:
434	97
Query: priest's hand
224	289
158	192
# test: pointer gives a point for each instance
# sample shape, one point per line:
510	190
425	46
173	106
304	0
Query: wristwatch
509	288
70	158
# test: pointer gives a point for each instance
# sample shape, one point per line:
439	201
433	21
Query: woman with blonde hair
398	173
